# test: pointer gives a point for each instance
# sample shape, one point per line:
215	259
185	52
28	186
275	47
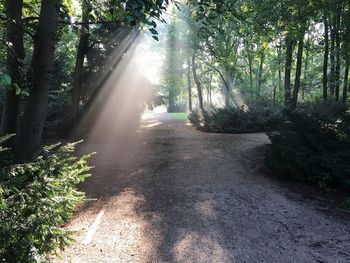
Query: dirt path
168	193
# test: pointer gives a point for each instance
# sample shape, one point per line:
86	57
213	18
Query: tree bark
306	67
298	71
325	57
226	87
346	83
287	76
261	68
337	53
250	64
198	84
14	61
279	68
171	101
42	62
346	54
189	87
332	62
79	65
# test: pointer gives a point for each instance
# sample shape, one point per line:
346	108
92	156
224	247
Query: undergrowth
36	200
237	120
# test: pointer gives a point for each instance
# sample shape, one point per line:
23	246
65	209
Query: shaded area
178	195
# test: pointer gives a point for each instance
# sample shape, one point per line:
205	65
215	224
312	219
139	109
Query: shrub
313	145
235	120
36	199
195	118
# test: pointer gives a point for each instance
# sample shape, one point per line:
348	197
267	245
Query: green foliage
145	11
313	145
180	116
346	204
236	120
36	199
5	80
173	71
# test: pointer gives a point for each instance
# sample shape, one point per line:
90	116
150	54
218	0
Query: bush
313	145
235	120
36	199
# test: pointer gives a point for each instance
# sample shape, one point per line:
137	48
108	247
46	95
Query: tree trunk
79	64
227	81
337	53
306	67
198	84
346	54
250	64
279	68
14	62
346	82
298	71
287	76
210	87
325	57
332	63
171	101
189	87
42	62
261	68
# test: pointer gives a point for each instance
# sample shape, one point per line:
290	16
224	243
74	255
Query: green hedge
36	200
313	145
236	120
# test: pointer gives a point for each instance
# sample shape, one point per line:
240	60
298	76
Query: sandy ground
169	193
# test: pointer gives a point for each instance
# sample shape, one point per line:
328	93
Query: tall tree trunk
79	64
325	56
171	101
198	84
250	64
287	75
306	67
337	53
279	68
189	86
332	62
226	88
346	82
298	71
346	54
42	62
15	56
210	87
261	68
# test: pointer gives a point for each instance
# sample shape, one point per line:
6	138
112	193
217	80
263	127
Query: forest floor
169	193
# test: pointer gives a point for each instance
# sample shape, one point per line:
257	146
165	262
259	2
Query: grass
180	116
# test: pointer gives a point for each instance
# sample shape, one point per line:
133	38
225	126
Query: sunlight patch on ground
205	208
196	247
94	226
120	235
152	124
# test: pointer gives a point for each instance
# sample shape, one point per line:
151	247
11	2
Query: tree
15	56
79	65
198	84
189	86
42	62
325	56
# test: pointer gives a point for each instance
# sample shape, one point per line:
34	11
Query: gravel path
168	193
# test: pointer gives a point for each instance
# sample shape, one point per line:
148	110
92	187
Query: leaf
16	88
153	31
156	38
5	80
